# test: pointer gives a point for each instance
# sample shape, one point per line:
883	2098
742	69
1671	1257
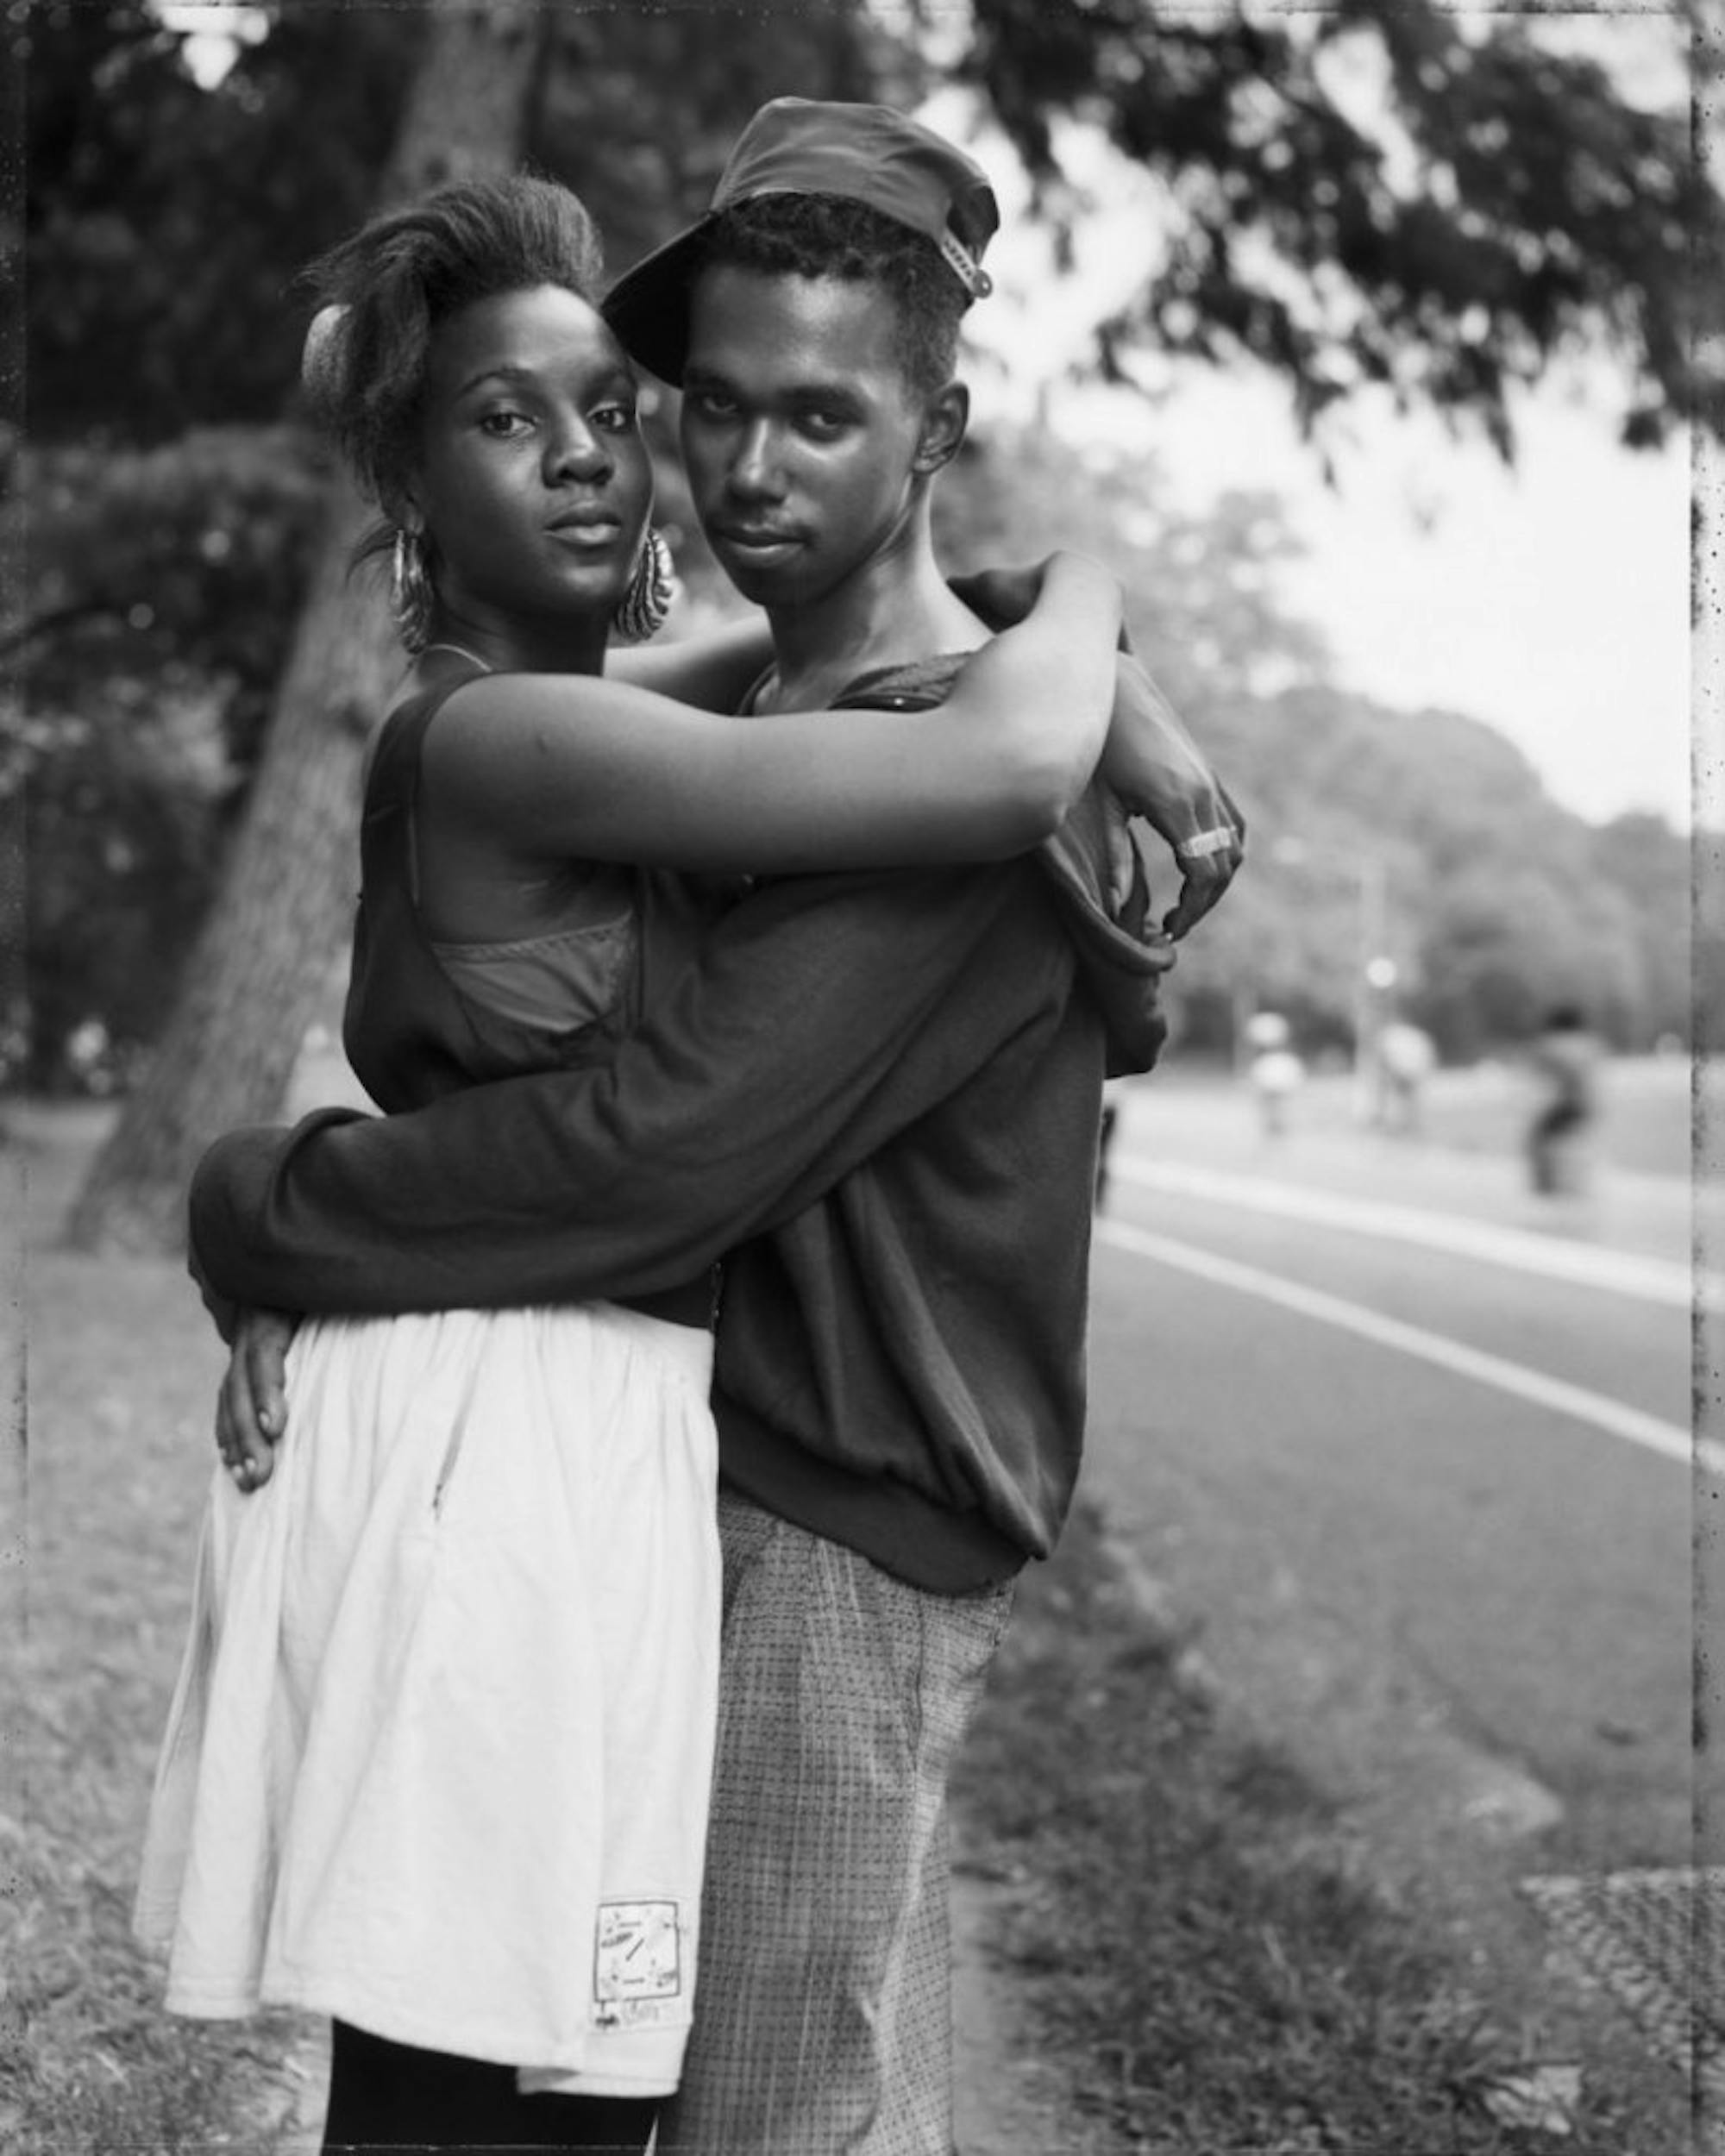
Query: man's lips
755	538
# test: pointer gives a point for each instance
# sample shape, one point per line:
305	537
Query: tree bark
256	977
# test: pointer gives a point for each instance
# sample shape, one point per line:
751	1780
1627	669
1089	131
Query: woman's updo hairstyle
385	291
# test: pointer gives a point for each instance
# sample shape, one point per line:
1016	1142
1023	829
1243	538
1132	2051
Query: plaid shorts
824	2015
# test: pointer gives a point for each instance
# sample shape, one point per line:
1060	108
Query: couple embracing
615	1537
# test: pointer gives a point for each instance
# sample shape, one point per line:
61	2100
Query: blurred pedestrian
1565	1061
1405	1057
1275	1072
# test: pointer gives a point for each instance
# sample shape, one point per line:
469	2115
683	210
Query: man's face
799	431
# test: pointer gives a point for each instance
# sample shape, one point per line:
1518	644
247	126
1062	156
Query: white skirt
438	1760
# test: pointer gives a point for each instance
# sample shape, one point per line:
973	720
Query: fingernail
266	1420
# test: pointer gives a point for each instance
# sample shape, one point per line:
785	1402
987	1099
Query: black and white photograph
863	873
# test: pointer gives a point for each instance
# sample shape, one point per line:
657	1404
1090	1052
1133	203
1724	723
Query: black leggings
384	2096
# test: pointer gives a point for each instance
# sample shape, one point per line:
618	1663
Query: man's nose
756	467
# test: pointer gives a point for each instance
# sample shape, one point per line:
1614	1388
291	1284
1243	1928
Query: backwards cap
801	146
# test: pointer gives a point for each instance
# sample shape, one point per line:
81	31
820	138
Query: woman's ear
946	417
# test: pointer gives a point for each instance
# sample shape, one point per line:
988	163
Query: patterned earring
652	586
410	594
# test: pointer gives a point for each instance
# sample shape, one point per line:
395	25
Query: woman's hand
1152	761
251	1407
1158	773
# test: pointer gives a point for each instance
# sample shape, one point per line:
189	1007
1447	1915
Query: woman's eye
502	426
615	419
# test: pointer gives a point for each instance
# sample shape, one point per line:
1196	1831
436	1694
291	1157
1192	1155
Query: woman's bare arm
567	767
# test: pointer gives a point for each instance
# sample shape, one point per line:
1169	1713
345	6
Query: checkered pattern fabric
822	2021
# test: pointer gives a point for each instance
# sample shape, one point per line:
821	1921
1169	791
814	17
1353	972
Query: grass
1195	1936
120	1386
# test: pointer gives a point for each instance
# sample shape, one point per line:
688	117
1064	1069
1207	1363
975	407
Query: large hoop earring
410	594
640	613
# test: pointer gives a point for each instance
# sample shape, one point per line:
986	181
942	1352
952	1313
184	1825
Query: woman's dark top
413	1032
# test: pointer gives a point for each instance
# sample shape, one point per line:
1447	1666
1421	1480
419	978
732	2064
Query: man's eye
711	404
823	425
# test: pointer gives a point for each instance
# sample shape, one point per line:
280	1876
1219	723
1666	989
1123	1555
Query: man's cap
802	145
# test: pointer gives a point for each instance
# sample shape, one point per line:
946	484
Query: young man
877	1095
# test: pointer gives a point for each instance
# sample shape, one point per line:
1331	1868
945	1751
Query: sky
1550	600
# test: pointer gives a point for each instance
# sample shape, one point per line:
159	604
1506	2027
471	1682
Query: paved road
1413	1449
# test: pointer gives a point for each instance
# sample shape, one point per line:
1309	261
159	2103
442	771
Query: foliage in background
163	585
1435	201
172	513
165	225
1495	901
1509	203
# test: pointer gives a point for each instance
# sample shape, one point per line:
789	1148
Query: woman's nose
576	452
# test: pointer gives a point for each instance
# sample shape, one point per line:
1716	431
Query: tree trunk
276	930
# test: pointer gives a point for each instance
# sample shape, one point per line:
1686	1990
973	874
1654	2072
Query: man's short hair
832	235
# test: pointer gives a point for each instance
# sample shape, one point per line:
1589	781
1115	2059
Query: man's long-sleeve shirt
876	1096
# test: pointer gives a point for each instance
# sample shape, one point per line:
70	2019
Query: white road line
1624	1272
1650	1432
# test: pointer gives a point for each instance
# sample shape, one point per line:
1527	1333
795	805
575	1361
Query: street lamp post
1375	976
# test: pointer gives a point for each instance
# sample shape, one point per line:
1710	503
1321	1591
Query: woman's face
533	482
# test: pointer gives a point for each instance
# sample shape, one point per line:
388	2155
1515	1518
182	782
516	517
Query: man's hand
1155	767
251	1407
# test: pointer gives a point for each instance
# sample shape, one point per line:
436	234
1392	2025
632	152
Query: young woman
438	1759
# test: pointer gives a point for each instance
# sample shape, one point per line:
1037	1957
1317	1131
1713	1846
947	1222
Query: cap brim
649	305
